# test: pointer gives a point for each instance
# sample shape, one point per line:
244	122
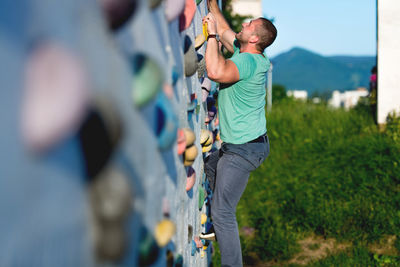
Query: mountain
300	69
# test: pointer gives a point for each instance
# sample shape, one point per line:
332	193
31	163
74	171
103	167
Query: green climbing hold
148	249
202	195
179	261
147	79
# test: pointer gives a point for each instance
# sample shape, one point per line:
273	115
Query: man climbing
241	104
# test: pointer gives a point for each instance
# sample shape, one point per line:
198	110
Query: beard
239	36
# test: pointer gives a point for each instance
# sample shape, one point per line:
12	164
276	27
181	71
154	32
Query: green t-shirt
242	104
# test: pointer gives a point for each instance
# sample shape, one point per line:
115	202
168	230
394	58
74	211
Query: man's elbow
211	70
211	75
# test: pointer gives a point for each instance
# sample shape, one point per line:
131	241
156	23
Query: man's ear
253	39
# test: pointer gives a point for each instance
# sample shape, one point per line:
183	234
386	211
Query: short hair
266	33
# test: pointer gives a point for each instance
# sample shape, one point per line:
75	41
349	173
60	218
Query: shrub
393	126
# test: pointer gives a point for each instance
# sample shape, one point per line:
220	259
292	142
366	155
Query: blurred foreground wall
388	58
89	109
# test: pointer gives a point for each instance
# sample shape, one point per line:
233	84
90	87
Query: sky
328	27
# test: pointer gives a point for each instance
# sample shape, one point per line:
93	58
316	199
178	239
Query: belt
260	139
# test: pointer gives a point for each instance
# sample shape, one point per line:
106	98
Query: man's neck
246	48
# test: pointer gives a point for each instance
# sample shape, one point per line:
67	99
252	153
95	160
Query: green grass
330	173
357	257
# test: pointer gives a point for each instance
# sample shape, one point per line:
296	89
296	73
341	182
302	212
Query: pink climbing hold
173	8
56	96
181	141
206	87
187	16
198	242
168	90
191	178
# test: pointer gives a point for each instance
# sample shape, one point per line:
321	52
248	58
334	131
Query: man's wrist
215	35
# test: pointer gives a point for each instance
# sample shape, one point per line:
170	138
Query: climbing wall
105	123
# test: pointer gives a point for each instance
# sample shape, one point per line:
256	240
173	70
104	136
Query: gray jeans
228	170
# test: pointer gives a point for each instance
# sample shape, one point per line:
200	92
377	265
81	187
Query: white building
347	99
388	58
247	8
298	94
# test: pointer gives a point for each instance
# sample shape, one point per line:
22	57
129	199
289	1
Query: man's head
260	32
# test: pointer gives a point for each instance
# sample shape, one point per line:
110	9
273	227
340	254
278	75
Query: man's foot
210	235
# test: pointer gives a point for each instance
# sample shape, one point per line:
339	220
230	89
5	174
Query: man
241	103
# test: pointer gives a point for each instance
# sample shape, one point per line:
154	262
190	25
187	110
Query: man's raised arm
226	35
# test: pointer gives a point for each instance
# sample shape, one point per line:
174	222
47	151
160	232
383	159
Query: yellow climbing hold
190	137
190	155
164	232
205	31
206	140
206	148
199	41
203	219
206	137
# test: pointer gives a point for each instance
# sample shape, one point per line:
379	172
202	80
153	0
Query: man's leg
232	175
210	167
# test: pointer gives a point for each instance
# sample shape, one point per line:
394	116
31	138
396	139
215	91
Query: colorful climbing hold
206	88
166	122
117	12
168	90
194	248
147	79
104	122
148	249
190	136
192	105
190	155
154	3
204	136
190	57
205	30
198	242
206	140
187	16
203	219
191	178
181	141
199	41
111	195
111	243
164	232
55	98
178	261
175	75
173	8
170	258
211	114
201	66
201	197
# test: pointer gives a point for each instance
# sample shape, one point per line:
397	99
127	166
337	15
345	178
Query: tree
234	20
278	92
